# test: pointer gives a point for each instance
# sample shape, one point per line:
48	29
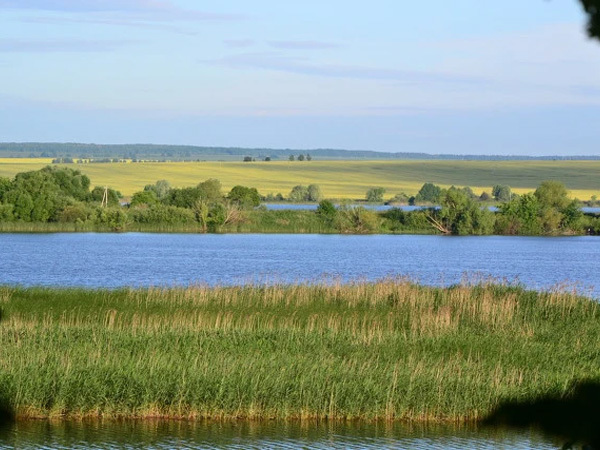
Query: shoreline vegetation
57	199
389	350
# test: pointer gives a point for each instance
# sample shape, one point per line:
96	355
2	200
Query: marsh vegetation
387	350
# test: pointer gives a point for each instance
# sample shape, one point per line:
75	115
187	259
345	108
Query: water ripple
169	435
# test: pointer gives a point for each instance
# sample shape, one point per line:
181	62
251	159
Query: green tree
244	197
521	215
501	193
298	193
23	205
429	193
552	194
6	212
291	158
210	190
461	215
572	217
114	218
97	195
314	193
326	211
375	195
5	186
300	157
356	219
183	197
144	198
161	188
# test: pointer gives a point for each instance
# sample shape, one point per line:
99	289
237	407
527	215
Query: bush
375	195
6	212
160	214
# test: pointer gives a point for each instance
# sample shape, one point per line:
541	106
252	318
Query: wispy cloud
87	5
158	10
302	45
111	21
50	46
239	43
303	66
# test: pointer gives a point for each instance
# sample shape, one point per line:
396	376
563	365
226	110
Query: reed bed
388	350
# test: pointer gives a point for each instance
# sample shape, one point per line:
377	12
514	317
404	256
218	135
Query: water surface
144	259
250	435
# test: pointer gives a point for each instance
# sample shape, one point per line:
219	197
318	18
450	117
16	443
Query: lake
313	206
267	435
145	259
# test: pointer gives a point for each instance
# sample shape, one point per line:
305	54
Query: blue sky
466	76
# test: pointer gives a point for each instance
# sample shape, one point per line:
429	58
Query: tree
314	193
268	158
300	157
326	209
210	190
429	193
552	194
521	215
356	219
592	8
375	195
5	186
298	193
98	193
308	157
244	197
291	158
461	215
144	198
401	199
501	193
161	188
247	158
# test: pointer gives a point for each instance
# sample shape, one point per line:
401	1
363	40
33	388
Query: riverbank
389	350
254	221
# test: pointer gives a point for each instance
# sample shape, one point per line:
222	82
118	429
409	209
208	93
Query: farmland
337	179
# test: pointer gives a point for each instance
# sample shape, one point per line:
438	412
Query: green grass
338	179
389	350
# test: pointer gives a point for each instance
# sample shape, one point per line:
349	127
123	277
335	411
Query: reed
388	350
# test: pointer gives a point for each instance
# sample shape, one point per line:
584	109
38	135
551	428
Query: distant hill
189	152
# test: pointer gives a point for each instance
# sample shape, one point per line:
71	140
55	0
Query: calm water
143	259
313	206
161	435
110	260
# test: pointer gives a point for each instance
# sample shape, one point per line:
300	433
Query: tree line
64	195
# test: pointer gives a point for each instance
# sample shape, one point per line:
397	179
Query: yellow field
337	179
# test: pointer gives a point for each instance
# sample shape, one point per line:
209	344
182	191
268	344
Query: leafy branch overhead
592	8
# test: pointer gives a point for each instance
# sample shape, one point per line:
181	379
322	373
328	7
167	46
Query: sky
463	77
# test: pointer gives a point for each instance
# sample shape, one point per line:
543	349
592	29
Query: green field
338	179
388	350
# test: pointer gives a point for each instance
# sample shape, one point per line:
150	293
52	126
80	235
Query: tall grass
387	350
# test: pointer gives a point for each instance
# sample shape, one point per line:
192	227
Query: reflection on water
261	435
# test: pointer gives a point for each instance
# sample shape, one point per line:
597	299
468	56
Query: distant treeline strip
189	152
